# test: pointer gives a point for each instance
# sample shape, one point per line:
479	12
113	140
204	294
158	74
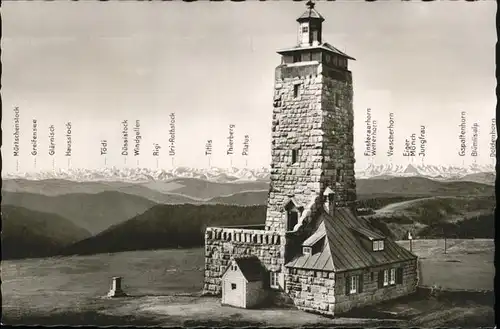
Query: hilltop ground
164	287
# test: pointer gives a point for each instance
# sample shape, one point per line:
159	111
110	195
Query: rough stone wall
221	244
321	132
311	290
338	133
296	125
372	294
324	292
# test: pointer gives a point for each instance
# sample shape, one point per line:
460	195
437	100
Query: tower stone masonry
312	127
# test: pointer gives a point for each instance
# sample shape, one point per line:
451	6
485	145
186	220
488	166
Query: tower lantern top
310	14
310	45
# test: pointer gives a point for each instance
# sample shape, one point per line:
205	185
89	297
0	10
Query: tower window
339	173
305	29
292	219
296	90
294	156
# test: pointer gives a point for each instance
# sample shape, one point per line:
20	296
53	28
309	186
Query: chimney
329	201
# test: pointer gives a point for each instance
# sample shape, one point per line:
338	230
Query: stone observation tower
314	250
312	127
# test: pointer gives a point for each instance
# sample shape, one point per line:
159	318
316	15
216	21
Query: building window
307	250
371	276
305	29
354	284
233	286
386	278
233	267
296	90
292	220
295	154
296	58
328	58
378	245
392	278
335	61
274	282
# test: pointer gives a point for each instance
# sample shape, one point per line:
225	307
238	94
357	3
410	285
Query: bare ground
164	287
421	311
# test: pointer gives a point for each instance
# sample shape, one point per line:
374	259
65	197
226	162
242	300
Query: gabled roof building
315	250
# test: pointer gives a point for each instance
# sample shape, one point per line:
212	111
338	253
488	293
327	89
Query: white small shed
243	283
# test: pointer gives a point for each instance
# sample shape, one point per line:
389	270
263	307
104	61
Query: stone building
315	248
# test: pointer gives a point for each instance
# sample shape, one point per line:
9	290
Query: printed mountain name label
475	138
493	135
34	138
390	151
246	144
104	147
137	138
461	137
208	147
171	140
125	137
156	149
371	135
68	139
52	140
230	139
16	132
410	146
423	141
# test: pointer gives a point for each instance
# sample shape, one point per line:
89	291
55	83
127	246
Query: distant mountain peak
410	169
221	175
422	170
239	175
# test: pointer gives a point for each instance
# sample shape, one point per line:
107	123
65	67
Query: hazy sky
98	63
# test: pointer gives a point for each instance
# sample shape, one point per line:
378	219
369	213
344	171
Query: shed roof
344	251
251	267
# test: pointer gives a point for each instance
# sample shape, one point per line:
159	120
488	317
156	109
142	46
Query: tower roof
343	250
324	46
310	13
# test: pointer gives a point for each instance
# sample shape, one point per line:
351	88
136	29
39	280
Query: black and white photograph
248	163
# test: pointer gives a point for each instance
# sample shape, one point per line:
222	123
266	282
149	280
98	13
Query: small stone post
116	288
